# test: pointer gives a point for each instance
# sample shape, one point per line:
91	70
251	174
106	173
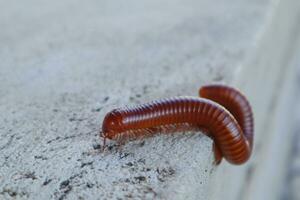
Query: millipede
221	112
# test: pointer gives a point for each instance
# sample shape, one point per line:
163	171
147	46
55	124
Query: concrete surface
64	64
268	78
290	190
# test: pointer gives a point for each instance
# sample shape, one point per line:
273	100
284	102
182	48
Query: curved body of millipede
223	113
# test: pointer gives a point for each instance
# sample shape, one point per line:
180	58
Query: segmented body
230	126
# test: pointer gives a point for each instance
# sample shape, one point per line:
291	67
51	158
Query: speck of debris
10	192
30	175
72	119
138	95
130	164
85	164
96	109
47	181
64	184
40	157
49	141
164	173
129	196
66	190
110	147
127	180
105	99
140	178
96	146
89	185
55	110
142	160
142	143
123	155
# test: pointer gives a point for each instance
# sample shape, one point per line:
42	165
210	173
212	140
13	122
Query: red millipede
222	112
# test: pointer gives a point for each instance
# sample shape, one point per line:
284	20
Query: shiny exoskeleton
222	112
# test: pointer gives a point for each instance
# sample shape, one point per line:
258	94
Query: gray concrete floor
64	64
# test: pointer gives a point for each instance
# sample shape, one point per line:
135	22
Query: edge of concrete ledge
263	77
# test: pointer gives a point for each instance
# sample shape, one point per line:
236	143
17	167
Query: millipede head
112	125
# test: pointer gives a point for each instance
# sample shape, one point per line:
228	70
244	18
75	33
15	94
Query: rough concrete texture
64	64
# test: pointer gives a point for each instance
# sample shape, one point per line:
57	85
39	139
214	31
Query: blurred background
292	179
65	64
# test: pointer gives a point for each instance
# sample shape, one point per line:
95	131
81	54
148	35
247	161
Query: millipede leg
218	154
